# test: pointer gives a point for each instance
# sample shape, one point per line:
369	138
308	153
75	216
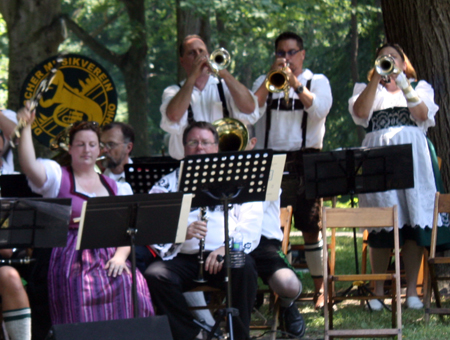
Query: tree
35	31
421	27
133	65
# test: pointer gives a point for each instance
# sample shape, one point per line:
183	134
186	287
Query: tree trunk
190	23
421	27
35	32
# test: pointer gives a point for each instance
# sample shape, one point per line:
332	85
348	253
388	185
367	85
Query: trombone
278	81
219	60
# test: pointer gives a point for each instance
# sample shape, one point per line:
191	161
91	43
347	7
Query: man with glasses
117	143
202	96
168	279
296	127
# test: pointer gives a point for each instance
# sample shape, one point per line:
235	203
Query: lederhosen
226	113
306	212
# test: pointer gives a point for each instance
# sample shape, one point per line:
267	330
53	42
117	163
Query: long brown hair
410	71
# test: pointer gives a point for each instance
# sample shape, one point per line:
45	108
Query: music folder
161	218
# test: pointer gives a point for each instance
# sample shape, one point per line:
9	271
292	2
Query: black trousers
168	280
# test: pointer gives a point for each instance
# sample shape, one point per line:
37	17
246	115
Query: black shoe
291	321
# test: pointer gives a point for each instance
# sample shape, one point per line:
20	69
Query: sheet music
275	177
183	221
80	228
180	173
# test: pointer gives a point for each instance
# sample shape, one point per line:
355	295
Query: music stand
115	221
34	222
144	172
358	170
231	177
16	185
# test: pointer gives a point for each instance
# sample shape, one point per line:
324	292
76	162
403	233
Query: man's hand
196	229
200	66
214	261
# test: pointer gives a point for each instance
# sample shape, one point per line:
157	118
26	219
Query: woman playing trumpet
395	112
87	285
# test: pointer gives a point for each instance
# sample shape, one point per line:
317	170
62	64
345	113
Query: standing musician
202	97
296	128
170	278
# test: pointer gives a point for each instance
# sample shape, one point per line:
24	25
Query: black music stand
36	222
230	177
115	221
144	172
16	185
358	170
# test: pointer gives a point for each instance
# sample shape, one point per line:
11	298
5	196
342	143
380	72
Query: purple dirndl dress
79	288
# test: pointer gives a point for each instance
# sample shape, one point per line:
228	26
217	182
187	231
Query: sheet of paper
275	177
183	221
80	228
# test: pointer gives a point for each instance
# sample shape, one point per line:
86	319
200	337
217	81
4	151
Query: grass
351	315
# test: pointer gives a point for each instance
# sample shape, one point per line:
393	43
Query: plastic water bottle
237	250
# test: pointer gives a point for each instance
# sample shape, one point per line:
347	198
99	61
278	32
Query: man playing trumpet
296	127
202	96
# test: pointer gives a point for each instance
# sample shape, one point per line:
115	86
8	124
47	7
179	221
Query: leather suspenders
226	113
298	105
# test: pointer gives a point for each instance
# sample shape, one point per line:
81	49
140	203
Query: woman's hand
214	261
117	264
24	114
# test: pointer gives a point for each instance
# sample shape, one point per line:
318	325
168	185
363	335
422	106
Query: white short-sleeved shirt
286	126
8	162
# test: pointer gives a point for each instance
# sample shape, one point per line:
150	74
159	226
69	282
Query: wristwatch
299	90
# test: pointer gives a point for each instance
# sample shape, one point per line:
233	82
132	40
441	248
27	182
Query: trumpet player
203	96
296	127
170	278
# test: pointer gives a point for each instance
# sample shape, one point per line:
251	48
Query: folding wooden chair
441	205
359	218
285	225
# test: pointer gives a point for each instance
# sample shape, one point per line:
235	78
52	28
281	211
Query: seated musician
91	284
15	306
169	279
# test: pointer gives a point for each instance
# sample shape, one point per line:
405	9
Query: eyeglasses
195	143
290	53
110	145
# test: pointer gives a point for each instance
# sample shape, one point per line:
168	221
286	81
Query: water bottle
237	250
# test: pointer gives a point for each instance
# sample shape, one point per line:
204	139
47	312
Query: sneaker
291	321
375	305
414	302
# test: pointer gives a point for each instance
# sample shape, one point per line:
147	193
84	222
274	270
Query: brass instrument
233	134
219	60
278	81
385	66
201	251
43	87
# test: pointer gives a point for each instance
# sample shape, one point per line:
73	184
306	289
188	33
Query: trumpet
201	251
219	60
385	66
278	81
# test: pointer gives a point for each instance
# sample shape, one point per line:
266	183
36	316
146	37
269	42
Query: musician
273	268
118	140
201	96
92	284
8	122
170	278
15	306
296	128
395	111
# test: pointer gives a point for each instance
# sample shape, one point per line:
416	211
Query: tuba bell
233	134
278	81
219	60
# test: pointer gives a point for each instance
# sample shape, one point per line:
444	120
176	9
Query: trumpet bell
278	81
385	65
233	134
219	60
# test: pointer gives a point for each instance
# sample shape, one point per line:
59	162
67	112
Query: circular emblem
80	89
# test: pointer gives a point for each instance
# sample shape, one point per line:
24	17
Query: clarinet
201	261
